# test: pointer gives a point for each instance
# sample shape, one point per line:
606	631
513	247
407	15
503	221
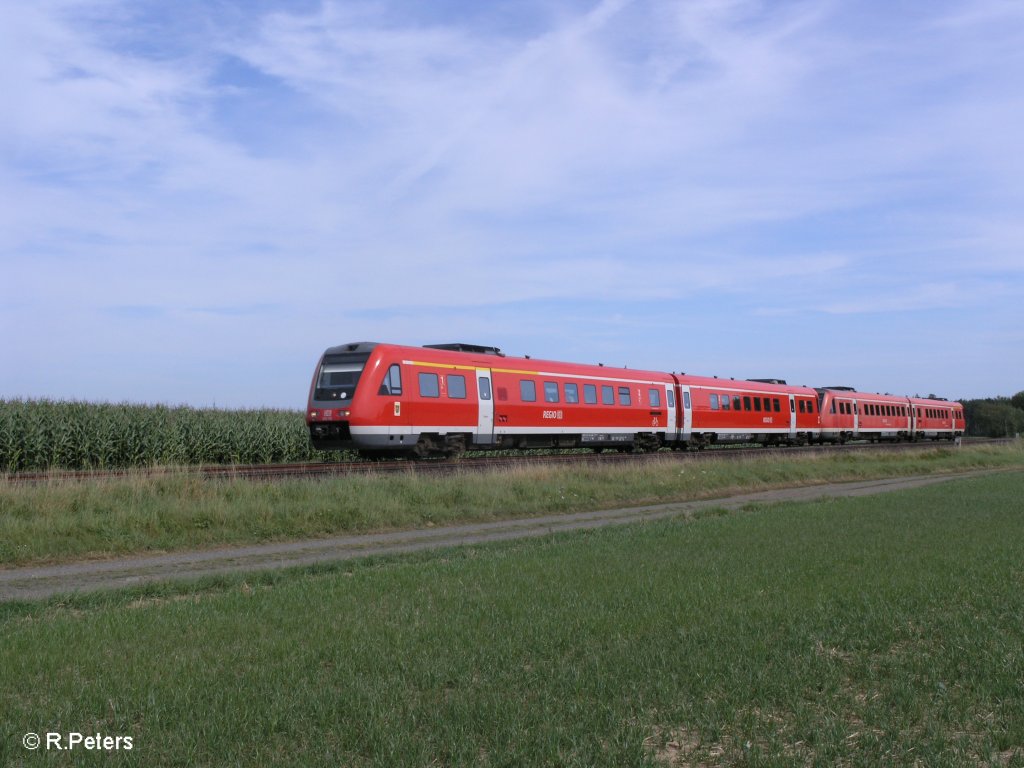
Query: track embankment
39	582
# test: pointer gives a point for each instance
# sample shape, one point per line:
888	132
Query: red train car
766	411
937	419
442	399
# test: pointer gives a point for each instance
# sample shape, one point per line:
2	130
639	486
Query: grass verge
872	631
62	520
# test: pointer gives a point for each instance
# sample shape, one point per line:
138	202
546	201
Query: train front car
387	400
338	394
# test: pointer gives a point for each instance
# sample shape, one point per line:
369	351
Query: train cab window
624	398
746	404
550	391
528	391
714	402
776	405
485	388
457	386
608	395
654	396
725	402
590	394
429	386
572	393
392	384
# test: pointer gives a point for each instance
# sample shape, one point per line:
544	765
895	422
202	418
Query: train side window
776	405
550	391
714	402
736	403
810	406
746	404
392	384
624	398
485	388
800	406
608	395
527	391
725	402
590	394
757	404
671	399
457	386
686	401
655	397
572	393
429	386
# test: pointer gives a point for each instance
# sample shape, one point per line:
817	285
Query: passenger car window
528	391
714	402
654	396
572	393
457	386
624	398
590	394
608	395
428	385
551	392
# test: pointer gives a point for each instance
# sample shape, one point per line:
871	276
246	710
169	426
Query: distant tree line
995	416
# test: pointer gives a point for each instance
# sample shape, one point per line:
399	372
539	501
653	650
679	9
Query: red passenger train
440	400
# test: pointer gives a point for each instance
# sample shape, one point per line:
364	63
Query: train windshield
339	376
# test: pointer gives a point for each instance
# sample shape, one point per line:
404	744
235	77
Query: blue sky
200	196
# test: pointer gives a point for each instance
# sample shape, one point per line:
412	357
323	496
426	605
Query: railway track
469	464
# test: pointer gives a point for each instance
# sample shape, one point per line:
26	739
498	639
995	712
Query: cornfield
43	434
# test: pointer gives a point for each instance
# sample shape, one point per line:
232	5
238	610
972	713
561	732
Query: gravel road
45	581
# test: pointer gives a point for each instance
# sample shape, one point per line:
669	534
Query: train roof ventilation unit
840	389
768	381
475	349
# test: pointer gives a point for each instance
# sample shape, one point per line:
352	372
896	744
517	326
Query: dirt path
41	582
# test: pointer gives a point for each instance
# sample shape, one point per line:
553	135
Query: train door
856	419
792	417
684	395
485	421
672	428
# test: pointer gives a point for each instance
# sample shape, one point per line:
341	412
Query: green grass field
63	520
886	630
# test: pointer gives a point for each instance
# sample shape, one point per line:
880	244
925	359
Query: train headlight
314	414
